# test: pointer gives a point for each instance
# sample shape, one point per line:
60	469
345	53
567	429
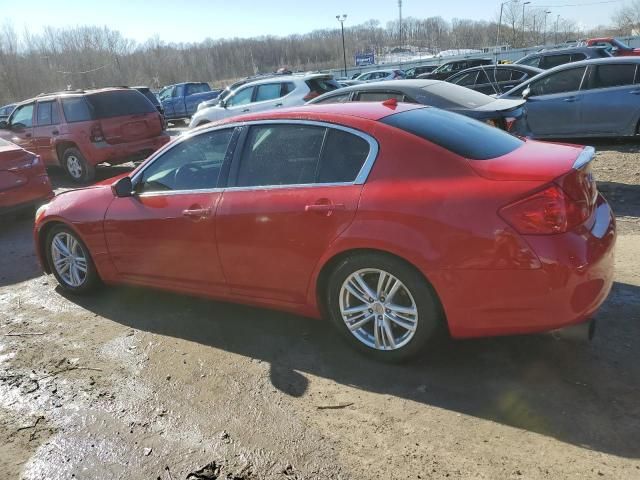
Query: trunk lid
532	161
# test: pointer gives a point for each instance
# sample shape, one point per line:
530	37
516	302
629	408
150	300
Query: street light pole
556	34
523	26
341	19
544	28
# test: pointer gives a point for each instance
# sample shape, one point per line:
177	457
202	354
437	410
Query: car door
611	100
267	96
164	235
239	102
46	129
168	102
554	102
294	188
21	126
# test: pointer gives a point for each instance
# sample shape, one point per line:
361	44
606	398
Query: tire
395	343
85	283
77	167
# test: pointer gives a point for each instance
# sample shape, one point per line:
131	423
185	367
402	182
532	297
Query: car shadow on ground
585	394
18	263
624	198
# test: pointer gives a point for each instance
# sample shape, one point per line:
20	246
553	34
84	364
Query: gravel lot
139	384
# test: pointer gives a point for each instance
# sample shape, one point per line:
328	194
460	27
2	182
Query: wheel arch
322	278
41	239
63	145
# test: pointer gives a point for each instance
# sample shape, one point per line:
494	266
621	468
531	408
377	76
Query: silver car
592	98
376	76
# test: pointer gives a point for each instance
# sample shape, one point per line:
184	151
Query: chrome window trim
360	179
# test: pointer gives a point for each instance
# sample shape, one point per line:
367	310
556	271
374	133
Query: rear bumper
574	280
125	152
36	190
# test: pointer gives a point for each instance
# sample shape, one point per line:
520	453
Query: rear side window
280	155
607	76
197	88
322	85
461	135
269	91
551	61
531	62
342	157
466	79
335	98
287	88
118	103
76	109
503	75
576	57
47	114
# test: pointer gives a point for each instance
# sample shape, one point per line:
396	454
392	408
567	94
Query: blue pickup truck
181	100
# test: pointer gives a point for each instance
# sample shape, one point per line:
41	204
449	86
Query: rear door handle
28	135
246	110
197	213
278	105
569	99
635	92
55	132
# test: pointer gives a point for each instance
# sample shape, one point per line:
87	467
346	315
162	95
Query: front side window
531	62
23	116
379	96
193	164
559	82
466	79
335	99
617	75
551	61
47	114
576	57
280	155
241	98
166	93
270	91
503	75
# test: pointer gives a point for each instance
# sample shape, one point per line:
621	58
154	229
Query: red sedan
393	220
23	179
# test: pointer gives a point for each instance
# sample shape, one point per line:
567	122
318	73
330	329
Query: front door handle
635	92
246	110
278	105
28	135
55	132
324	208
569	99
197	213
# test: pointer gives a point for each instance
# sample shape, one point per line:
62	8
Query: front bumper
574	280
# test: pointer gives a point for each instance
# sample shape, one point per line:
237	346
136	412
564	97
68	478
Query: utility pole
341	19
400	20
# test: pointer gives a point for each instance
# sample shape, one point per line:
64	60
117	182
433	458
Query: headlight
41	211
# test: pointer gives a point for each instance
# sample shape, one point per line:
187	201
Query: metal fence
510	55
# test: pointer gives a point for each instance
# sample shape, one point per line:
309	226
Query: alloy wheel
378	309
74	167
69	259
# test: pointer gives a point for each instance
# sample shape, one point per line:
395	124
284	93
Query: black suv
447	69
413	72
552	57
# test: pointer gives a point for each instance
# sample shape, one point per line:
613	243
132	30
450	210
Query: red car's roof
366	110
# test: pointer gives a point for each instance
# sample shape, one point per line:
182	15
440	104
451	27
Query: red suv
80	129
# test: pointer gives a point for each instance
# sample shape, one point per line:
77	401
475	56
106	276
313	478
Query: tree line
90	56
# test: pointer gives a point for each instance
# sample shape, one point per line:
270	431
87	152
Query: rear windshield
150	95
459	134
447	95
322	85
119	102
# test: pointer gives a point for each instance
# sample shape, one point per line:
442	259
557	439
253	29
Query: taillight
509	122
545	212
311	95
96	133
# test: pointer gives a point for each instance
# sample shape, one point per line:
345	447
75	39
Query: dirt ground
138	384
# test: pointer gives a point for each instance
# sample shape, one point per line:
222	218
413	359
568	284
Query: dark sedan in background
593	98
501	113
494	79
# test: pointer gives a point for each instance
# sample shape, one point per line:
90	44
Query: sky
195	20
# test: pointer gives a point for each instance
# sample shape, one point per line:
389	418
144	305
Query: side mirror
4	125
222	103
123	187
526	93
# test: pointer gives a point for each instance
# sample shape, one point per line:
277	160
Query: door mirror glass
123	187
526	92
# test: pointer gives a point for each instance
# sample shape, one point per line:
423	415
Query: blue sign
364	59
